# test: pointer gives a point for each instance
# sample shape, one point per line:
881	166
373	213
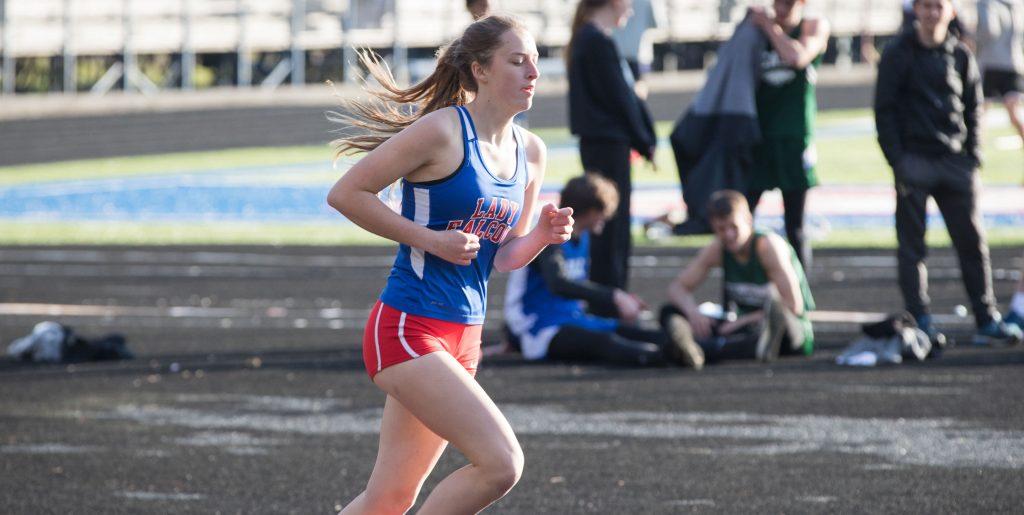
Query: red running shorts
392	337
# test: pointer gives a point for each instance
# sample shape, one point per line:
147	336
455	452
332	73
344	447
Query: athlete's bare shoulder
711	255
440	126
429	148
816	25
437	138
536	150
772	249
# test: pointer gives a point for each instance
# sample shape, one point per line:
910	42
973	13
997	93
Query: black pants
793	204
742	344
610	250
953	181
628	345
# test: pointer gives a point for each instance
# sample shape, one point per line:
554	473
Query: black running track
80	137
248	396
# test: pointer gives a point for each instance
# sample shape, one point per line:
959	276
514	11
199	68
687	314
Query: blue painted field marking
297	193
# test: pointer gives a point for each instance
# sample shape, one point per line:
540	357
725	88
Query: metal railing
64	31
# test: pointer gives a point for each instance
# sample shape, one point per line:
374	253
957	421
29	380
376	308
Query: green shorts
786	163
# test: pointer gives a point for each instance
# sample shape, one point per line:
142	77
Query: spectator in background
927	113
713	142
1000	41
766	295
786	108
544	303
633	43
610	120
956	27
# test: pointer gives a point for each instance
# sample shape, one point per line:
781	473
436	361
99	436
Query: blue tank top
473	200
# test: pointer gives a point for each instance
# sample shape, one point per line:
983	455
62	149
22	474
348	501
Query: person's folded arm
799	53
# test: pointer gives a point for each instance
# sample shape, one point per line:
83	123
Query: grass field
842	160
848	154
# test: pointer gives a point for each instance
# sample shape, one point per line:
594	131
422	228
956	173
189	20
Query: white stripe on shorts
376	333
401	337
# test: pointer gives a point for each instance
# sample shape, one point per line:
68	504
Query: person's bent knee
389	500
667	311
503	470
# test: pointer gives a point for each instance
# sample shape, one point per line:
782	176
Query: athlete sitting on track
544	302
765	291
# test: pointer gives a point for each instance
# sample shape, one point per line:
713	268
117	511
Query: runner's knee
388	499
502	470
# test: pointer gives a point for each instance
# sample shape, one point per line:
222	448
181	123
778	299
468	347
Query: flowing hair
391	108
584	10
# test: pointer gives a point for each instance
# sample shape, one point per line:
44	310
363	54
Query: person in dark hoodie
928	104
610	121
786	108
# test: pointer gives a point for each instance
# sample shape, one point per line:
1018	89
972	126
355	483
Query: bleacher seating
128	28
99	27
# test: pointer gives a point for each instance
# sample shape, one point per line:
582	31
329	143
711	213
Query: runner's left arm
554	225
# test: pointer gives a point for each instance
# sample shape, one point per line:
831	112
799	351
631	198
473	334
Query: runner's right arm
418	148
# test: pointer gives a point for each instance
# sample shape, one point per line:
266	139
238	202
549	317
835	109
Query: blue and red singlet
474	200
430	304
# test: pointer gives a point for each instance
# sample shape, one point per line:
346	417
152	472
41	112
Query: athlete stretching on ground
545	302
766	292
469	183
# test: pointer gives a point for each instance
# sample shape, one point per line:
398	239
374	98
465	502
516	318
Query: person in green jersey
786	107
766	295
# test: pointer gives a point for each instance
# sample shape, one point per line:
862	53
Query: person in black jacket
610	120
927	112
544	316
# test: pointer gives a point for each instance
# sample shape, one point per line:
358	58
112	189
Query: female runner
469	181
